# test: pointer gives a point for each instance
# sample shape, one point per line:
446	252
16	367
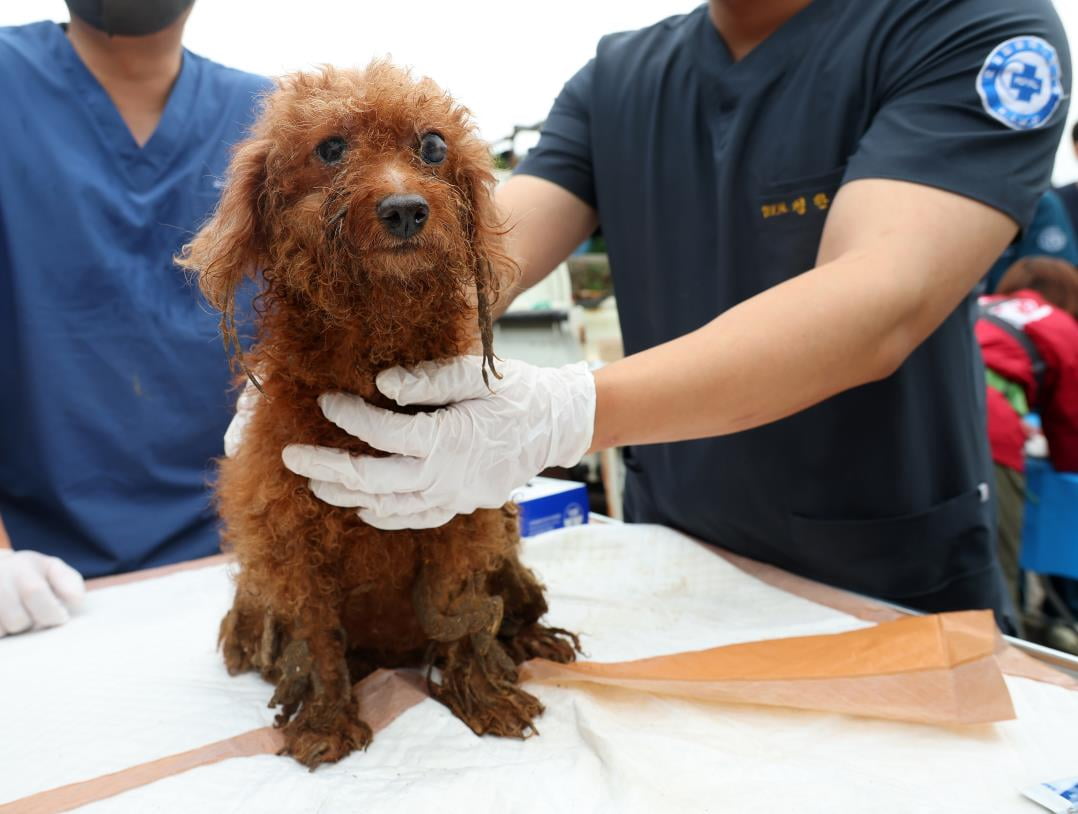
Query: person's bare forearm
545	224
845	323
5	541
778	353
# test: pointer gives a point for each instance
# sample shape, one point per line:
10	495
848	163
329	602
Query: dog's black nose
403	215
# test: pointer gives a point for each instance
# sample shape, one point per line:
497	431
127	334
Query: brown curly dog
362	201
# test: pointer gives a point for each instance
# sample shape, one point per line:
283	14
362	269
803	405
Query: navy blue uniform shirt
1068	194
712	180
114	387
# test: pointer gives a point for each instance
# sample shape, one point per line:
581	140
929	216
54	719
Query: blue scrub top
114	387
712	179
1049	235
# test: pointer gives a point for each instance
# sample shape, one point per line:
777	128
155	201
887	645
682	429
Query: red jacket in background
1054	333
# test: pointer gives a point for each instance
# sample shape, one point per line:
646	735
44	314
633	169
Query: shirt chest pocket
789	217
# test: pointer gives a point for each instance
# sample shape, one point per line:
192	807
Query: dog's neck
305	351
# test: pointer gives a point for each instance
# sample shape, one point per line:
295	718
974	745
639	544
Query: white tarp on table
135	677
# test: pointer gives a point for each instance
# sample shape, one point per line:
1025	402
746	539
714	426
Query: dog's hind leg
479	680
520	632
250	637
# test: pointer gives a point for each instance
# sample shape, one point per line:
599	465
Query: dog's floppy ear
228	247
494	270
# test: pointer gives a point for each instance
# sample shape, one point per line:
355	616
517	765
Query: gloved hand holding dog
469	455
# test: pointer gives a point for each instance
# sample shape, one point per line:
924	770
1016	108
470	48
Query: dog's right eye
331	151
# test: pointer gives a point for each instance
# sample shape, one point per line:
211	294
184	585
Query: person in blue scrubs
114	389
1049	235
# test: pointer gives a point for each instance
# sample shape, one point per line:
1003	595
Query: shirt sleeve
563	154
972	99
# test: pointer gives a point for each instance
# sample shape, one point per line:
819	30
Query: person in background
1069	193
115	388
1049	235
1028	336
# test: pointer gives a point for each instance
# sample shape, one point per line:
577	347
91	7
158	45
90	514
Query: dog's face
354	178
384	166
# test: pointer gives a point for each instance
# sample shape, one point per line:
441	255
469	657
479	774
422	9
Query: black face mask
128	18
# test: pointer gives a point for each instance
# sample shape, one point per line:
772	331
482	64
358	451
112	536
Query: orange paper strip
1012	661
256	742
383	695
927	669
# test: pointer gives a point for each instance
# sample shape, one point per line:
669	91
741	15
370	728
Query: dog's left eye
331	151
432	148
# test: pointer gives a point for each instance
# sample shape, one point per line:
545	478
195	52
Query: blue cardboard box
549	503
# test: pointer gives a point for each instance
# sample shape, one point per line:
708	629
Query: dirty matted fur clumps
362	204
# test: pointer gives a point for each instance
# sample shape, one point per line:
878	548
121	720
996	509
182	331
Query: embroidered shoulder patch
1020	84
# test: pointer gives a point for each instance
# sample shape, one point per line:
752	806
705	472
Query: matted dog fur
322	599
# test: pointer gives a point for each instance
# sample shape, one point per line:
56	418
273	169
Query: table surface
135	678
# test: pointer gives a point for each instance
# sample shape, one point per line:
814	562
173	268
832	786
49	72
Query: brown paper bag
928	669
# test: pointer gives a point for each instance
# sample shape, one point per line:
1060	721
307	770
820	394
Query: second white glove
36	591
469	455
245	408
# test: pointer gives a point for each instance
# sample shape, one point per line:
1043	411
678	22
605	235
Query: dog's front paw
311	746
506	711
320	719
479	685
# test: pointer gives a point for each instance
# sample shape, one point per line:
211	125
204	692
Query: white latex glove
245	407
36	590
1036	446
469	455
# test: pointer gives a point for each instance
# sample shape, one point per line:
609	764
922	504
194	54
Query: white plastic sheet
135	677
